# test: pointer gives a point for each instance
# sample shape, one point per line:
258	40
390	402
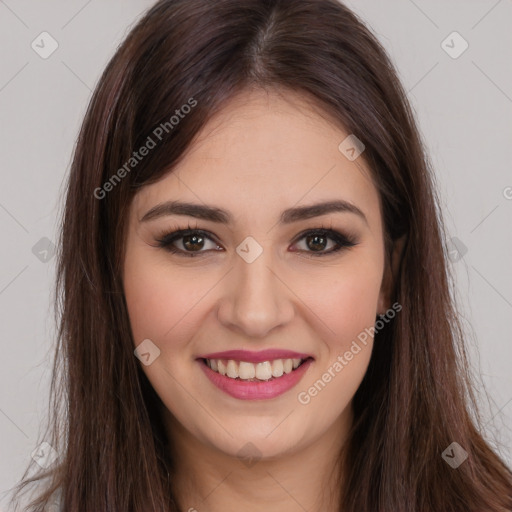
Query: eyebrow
215	214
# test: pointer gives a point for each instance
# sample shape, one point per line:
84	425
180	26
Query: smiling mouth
254	372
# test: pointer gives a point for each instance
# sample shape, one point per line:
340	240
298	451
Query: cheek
345	298
162	299
159	299
347	308
150	302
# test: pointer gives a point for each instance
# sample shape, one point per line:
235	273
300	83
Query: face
251	288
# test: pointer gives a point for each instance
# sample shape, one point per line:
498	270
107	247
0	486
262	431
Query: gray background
464	109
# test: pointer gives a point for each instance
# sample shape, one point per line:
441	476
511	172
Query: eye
193	241
316	241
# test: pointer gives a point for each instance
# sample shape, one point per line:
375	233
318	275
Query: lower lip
263	390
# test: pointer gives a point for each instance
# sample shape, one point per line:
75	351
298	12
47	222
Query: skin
264	152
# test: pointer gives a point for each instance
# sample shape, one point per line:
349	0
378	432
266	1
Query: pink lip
255	357
245	390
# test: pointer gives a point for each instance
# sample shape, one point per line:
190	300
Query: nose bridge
256	301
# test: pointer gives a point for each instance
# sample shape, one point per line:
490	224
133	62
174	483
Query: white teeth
264	371
246	370
232	369
277	368
249	371
221	367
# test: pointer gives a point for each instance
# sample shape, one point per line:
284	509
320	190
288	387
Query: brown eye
316	241
192	242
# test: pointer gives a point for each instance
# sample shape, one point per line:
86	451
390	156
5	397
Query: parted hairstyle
417	396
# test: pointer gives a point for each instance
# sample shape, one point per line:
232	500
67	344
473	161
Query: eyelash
166	240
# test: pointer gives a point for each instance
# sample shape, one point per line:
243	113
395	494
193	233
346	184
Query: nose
256	300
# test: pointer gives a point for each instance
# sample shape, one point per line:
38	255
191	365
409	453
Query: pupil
195	244
316	238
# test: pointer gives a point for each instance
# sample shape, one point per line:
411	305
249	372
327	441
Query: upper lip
256	357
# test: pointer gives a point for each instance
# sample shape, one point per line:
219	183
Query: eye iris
315	238
195	243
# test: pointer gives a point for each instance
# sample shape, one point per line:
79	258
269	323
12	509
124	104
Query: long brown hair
416	397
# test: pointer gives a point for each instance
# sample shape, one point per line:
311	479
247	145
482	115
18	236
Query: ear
390	275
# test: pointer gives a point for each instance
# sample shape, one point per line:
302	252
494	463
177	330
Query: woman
256	309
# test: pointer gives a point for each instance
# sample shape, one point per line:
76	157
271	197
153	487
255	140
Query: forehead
264	152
